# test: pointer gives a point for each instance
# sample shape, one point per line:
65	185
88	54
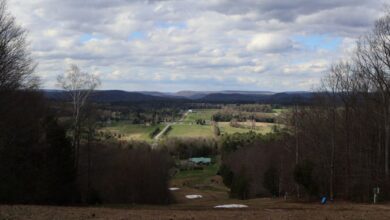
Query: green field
199	175
191	130
129	131
262	128
196	177
204	114
186	128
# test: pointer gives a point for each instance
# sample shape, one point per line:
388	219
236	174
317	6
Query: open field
206	178
129	131
279	110
186	128
204	114
208	171
262	128
191	130
268	209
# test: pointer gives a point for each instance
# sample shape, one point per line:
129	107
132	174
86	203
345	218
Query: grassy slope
199	175
201	180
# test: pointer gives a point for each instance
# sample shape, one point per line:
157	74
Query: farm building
200	160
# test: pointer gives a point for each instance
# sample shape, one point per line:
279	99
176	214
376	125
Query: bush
200	122
217	131
155	132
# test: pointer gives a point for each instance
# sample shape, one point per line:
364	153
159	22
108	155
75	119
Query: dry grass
268	209
265	208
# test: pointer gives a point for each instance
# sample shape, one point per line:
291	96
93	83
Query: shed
200	160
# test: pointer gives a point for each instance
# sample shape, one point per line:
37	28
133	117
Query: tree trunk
296	146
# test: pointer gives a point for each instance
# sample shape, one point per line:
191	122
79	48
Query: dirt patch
269	209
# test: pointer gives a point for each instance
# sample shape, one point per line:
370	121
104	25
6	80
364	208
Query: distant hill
200	94
233	97
192	94
276	98
109	96
114	96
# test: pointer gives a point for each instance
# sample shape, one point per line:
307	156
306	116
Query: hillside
114	96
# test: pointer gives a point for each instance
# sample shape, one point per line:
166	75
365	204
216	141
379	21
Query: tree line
336	146
44	160
349	123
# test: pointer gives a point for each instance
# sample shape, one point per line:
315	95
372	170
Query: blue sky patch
166	25
87	37
313	42
137	35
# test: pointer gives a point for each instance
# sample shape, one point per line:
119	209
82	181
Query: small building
200	160
190	111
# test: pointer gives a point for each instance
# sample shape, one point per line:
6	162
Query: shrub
155	132
217	131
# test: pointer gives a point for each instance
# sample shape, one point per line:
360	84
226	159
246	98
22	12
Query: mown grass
191	130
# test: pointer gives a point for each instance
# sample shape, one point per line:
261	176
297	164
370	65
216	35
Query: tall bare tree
373	62
79	86
16	64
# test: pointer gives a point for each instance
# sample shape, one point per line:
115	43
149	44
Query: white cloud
189	44
270	42
314	66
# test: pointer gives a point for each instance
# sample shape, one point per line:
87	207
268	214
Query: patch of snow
231	206
173	188
194	196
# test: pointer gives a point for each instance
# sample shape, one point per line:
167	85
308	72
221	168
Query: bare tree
79	86
373	62
16	64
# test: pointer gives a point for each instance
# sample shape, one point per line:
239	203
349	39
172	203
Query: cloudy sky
171	45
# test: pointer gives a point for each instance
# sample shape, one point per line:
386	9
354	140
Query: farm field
186	128
279	110
191	130
129	131
204	114
262	128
